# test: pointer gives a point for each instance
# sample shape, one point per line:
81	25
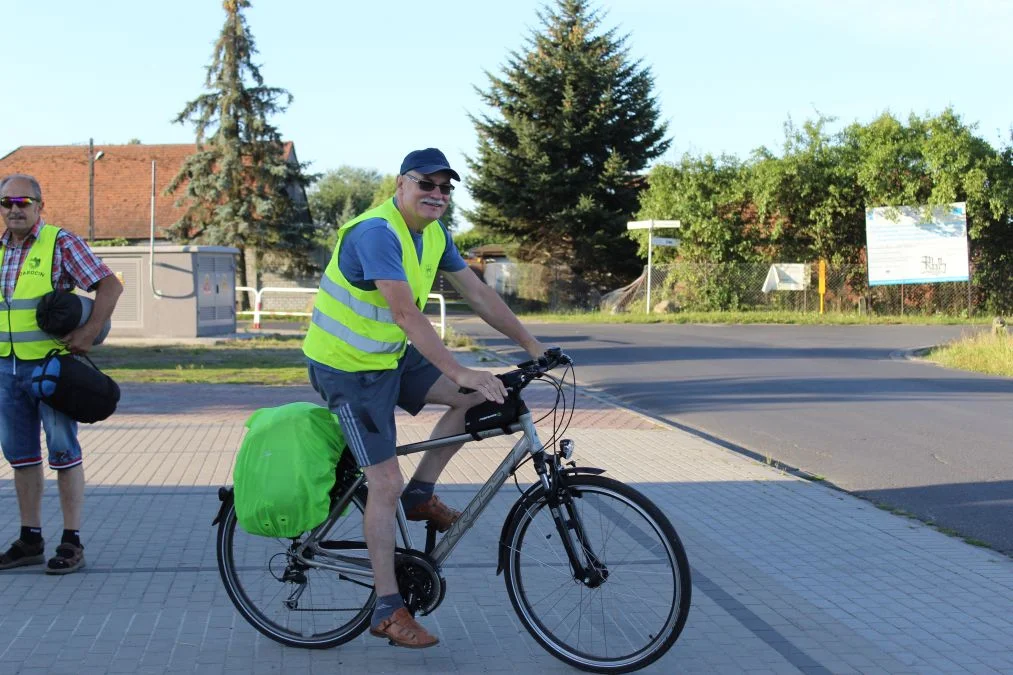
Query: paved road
839	402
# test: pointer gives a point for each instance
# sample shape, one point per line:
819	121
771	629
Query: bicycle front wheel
628	603
287	600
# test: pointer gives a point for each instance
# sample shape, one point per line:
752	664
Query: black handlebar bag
77	389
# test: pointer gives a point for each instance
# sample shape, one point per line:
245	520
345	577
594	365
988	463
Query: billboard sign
917	245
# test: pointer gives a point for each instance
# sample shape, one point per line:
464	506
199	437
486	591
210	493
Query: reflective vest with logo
353	329
17	314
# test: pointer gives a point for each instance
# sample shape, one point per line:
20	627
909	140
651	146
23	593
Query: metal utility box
185	291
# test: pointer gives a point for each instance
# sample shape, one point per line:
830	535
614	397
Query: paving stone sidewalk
789	576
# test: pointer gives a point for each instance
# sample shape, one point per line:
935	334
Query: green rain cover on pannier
285	469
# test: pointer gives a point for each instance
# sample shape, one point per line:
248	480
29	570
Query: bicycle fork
586	567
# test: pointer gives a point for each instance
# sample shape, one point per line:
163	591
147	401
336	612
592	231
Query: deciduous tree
709	197
809	198
343	193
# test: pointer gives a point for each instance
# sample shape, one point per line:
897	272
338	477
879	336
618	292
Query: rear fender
226	495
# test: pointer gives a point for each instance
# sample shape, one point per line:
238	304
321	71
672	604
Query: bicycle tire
645	597
331	611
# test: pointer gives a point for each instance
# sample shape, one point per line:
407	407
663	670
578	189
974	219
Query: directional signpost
650	226
665	241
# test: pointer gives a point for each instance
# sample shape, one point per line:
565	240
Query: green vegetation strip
266	361
253	361
753	317
989	353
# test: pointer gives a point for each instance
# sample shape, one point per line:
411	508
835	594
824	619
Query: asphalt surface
842	403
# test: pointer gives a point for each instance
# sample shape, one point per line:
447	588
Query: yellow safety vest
353	329
17	315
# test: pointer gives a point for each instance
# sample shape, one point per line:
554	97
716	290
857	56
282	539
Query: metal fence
274	292
727	287
532	287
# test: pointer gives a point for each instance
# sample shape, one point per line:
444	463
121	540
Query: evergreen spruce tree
238	187
573	122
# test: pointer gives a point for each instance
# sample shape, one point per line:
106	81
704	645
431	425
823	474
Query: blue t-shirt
372	250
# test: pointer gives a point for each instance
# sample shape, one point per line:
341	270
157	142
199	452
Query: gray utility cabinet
189	291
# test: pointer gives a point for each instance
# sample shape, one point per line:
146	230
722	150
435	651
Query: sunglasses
429	186
23	202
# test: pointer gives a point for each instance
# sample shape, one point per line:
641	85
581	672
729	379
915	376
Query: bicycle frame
354	565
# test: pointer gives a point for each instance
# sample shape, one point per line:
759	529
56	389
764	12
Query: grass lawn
269	361
252	361
981	353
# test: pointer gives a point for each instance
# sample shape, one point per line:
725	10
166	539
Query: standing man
368	308
37	259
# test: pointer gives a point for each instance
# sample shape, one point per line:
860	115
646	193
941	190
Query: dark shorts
364	402
23	414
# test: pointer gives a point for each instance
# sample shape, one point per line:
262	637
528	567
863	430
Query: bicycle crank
419	582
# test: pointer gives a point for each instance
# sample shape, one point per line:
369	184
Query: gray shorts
364	402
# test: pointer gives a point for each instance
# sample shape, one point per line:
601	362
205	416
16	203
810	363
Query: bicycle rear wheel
629	610
290	602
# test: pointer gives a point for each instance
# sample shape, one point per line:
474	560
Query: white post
151	241
650	245
256	307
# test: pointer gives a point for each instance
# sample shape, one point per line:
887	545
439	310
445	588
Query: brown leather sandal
69	558
402	630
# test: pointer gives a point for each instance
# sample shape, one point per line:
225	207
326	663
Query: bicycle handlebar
552	358
525	372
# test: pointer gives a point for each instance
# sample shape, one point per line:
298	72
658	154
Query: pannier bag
285	469
60	312
76	388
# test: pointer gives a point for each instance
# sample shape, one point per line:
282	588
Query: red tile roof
122	185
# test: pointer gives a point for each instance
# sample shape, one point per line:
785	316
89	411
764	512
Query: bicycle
594	570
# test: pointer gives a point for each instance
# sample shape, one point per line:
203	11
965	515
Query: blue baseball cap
426	162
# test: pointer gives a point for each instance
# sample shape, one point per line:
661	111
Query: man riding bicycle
368	308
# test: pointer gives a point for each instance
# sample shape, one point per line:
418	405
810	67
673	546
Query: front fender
530	496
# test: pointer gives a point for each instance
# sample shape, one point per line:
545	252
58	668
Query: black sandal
69	558
21	554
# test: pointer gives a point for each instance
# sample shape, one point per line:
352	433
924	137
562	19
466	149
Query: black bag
491	415
81	391
60	312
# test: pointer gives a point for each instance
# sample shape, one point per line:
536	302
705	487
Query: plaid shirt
74	263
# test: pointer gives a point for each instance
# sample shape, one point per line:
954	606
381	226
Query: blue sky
374	80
